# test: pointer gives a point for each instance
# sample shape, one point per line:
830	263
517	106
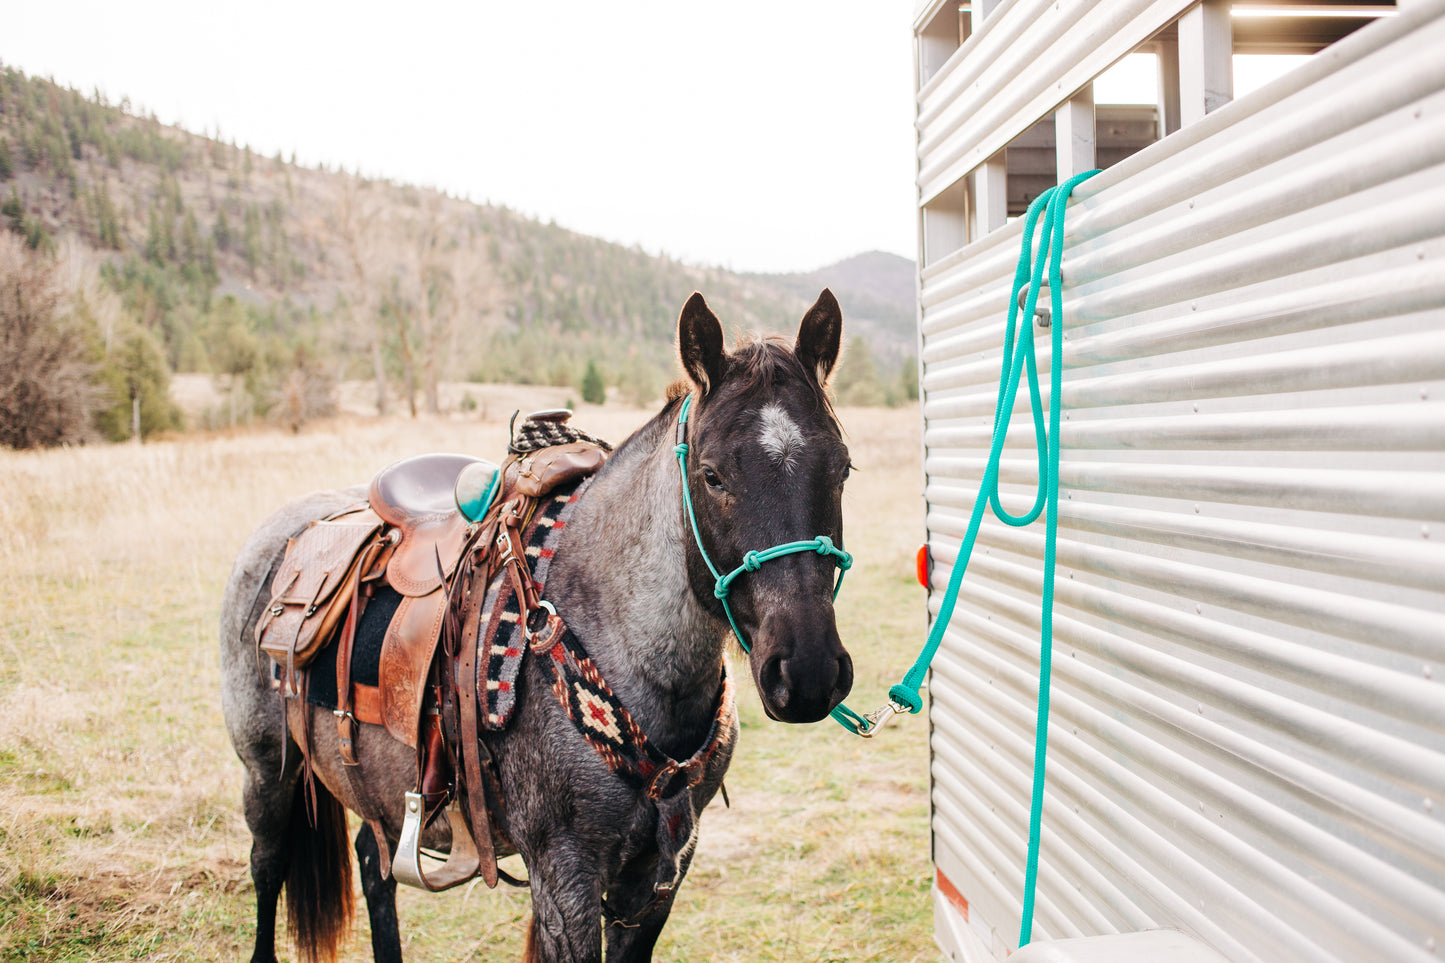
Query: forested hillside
170	252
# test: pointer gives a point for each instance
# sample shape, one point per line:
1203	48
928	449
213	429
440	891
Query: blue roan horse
765	466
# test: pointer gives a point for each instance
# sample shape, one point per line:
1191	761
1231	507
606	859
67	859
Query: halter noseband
822	544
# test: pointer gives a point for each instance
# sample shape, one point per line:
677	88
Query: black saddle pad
365	650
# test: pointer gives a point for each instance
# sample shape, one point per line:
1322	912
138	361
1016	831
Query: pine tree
908	379
594	392
857	380
136	370
107	221
156	242
221	231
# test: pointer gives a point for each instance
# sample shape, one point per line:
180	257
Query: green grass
121	836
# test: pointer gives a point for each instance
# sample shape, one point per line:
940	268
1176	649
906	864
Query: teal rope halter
752	561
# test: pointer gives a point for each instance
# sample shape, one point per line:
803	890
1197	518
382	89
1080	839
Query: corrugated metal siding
1019	65
1248	733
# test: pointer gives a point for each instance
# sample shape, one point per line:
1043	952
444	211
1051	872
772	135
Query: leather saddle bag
538	472
313	587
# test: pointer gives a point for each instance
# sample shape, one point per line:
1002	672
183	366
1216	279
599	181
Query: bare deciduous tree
428	279
47	389
358	227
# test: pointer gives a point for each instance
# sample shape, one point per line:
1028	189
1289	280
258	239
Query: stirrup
461	864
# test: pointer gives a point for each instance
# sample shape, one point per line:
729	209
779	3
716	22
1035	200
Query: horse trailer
1246	746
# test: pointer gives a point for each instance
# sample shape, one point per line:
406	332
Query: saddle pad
365	650
501	645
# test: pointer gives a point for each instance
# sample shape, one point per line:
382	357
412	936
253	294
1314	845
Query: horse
764	463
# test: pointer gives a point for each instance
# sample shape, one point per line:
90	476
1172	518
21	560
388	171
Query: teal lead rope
1018	357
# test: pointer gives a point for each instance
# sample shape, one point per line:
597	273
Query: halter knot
752	562
826	547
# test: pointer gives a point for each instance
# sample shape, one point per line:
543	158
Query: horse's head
765	465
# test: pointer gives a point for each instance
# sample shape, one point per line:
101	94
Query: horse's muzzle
800	667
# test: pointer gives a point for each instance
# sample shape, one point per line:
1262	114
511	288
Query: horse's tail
529	949
318	875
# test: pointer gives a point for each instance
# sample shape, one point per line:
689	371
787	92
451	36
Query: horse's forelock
763	364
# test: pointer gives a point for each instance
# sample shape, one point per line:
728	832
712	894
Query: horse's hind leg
380	899
268	804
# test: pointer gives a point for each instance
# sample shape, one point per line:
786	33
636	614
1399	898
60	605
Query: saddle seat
418	496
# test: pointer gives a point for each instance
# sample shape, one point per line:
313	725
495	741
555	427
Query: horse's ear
700	343
820	336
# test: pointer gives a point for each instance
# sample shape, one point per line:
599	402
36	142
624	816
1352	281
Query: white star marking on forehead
779	437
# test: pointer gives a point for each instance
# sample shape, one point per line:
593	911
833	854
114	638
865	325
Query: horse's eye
710	476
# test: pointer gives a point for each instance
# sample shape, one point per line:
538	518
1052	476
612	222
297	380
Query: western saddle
439	529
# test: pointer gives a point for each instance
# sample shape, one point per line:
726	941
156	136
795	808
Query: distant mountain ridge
252	269
877	292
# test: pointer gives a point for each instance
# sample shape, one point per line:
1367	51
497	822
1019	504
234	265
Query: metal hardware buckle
527	632
879	717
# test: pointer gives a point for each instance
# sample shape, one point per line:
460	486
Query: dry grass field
121	836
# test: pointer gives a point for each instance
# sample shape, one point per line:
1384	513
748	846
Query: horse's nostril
770	679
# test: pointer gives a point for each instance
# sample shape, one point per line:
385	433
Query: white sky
766	135
755	135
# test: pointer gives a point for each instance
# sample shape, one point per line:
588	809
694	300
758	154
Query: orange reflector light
925	566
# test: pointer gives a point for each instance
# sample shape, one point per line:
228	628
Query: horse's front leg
380	899
636	913
566	908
